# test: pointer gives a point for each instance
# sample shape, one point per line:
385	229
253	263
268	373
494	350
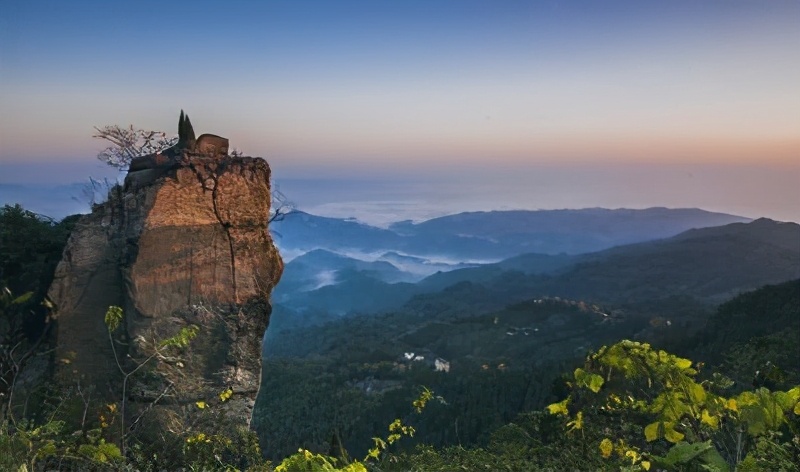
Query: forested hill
709	263
758	330
771	309
757	337
501	363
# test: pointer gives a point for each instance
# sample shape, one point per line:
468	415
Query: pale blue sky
472	89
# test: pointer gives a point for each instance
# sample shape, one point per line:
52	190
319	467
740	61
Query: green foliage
307	461
397	430
17	347
23	446
770	453
225	395
424	397
534	441
223	452
754	337
7	299
101	452
113	318
31	246
183	338
642	382
591	381
37	447
684	454
51	446
559	408
198	438
429	459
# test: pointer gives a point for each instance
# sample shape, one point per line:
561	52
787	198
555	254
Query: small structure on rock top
207	145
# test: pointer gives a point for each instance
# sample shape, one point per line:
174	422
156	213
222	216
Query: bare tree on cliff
280	205
129	143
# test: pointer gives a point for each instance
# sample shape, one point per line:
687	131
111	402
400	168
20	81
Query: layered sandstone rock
188	245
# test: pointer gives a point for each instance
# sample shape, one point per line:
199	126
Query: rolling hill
495	235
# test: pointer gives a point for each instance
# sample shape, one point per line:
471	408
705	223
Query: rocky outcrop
178	247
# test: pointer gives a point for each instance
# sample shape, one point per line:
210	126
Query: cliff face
179	246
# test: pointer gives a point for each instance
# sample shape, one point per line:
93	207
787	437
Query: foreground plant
686	422
307	461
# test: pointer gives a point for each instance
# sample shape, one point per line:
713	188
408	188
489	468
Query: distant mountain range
495	235
710	264
707	264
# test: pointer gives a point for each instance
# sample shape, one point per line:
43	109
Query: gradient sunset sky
604	103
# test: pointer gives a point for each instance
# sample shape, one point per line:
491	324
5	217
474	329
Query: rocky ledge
178	247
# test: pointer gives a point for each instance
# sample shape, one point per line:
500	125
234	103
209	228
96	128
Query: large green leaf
591	381
683	363
651	431
22	298
784	400
713	461
682	453
697	393
559	408
671	434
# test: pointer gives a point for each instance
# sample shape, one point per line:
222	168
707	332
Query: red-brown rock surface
184	246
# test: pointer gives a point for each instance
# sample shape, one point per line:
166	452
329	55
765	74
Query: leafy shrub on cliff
30	248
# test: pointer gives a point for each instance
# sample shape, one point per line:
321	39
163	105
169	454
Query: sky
412	108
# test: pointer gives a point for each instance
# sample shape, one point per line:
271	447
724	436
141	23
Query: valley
350	329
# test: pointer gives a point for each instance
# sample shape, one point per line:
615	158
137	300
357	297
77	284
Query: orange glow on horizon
724	150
